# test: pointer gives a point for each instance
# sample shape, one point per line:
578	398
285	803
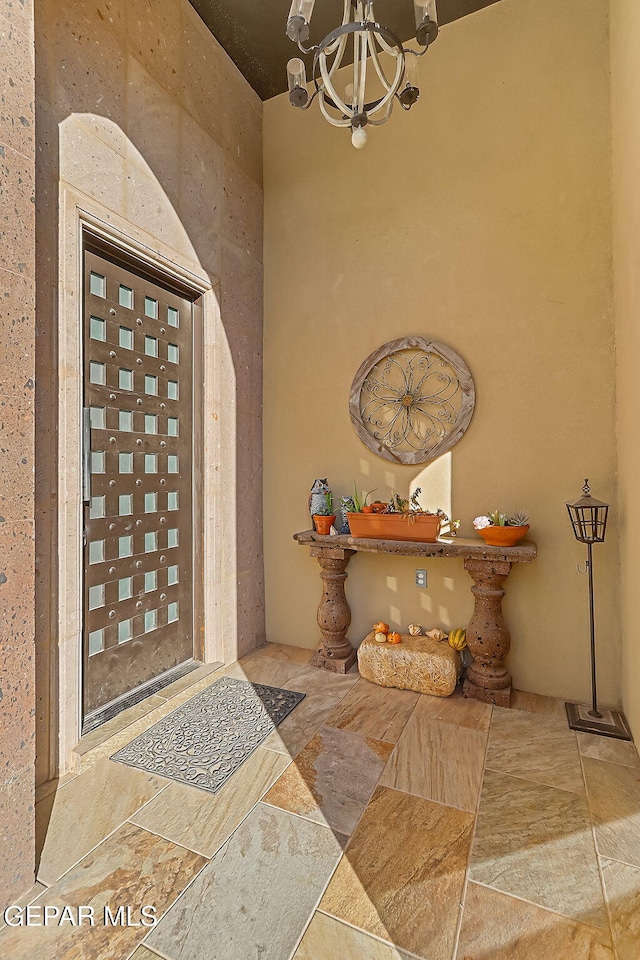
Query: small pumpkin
458	639
415	630
381	627
436	634
394	637
380	637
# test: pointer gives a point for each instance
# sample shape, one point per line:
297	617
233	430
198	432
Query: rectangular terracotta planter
390	526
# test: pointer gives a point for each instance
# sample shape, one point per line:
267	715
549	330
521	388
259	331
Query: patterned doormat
204	741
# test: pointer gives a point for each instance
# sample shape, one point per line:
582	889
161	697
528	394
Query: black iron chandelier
395	66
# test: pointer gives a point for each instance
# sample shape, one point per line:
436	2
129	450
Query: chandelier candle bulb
297	79
424	10
299	19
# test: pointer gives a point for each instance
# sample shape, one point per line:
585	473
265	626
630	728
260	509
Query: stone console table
487	633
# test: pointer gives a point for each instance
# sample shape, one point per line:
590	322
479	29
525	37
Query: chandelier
395	66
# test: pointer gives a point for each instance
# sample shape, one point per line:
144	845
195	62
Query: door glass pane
172	353
98	418
96	509
98	285
125	297
97	461
125	504
125	588
125	420
97	329
151	385
172	537
97	373
150	620
125	631
172	500
172	427
172	575
150	463
150	581
150	542
151	346
151	308
125	338
173	318
172	389
125	463
96	551
172	463
96	596
125	379
172	613
96	642
125	547
150	423
150	502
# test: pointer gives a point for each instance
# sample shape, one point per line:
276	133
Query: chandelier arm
340	46
330	89
362	79
344	122
388	99
378	123
375	58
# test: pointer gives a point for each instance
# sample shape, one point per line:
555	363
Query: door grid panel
138	533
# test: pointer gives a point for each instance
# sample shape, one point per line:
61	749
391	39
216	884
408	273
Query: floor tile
537	703
86	810
536	843
267	670
255	897
497	927
281	652
374	711
622	887
332	779
143	953
605	748
133	868
402	875
614	796
23	901
311	680
535	747
327	938
438	761
202	822
456	709
302	724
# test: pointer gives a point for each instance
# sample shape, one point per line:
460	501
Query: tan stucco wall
625	73
143	118
482	219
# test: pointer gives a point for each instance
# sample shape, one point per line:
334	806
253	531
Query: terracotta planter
394	526
503	536
323	524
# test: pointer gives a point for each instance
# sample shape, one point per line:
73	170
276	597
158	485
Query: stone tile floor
373	824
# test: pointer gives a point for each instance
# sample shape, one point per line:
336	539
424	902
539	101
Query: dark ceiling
253	31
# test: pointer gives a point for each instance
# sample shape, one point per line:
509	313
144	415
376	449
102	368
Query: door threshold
98	717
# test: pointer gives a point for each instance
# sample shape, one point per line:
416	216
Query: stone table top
446	547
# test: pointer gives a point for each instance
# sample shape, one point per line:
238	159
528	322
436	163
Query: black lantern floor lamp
589	521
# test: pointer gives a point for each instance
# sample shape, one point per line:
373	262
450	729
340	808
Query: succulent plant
518	519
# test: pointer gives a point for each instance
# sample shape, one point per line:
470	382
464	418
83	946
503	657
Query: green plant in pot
325	520
502	529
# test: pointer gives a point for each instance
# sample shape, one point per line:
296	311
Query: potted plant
399	519
502	529
325	520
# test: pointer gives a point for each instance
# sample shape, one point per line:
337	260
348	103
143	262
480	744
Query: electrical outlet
421	578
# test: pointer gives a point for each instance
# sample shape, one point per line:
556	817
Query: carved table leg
334	616
487	634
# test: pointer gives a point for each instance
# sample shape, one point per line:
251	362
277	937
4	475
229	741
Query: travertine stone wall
141	113
17	307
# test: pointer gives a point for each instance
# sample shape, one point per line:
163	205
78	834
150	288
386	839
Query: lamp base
612	723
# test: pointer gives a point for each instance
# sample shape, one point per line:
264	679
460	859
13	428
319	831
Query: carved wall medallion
412	400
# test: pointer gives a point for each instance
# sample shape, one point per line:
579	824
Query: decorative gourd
415	629
394	638
381	627
458	639
380	637
436	634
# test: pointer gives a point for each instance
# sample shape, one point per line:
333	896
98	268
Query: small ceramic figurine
317	496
